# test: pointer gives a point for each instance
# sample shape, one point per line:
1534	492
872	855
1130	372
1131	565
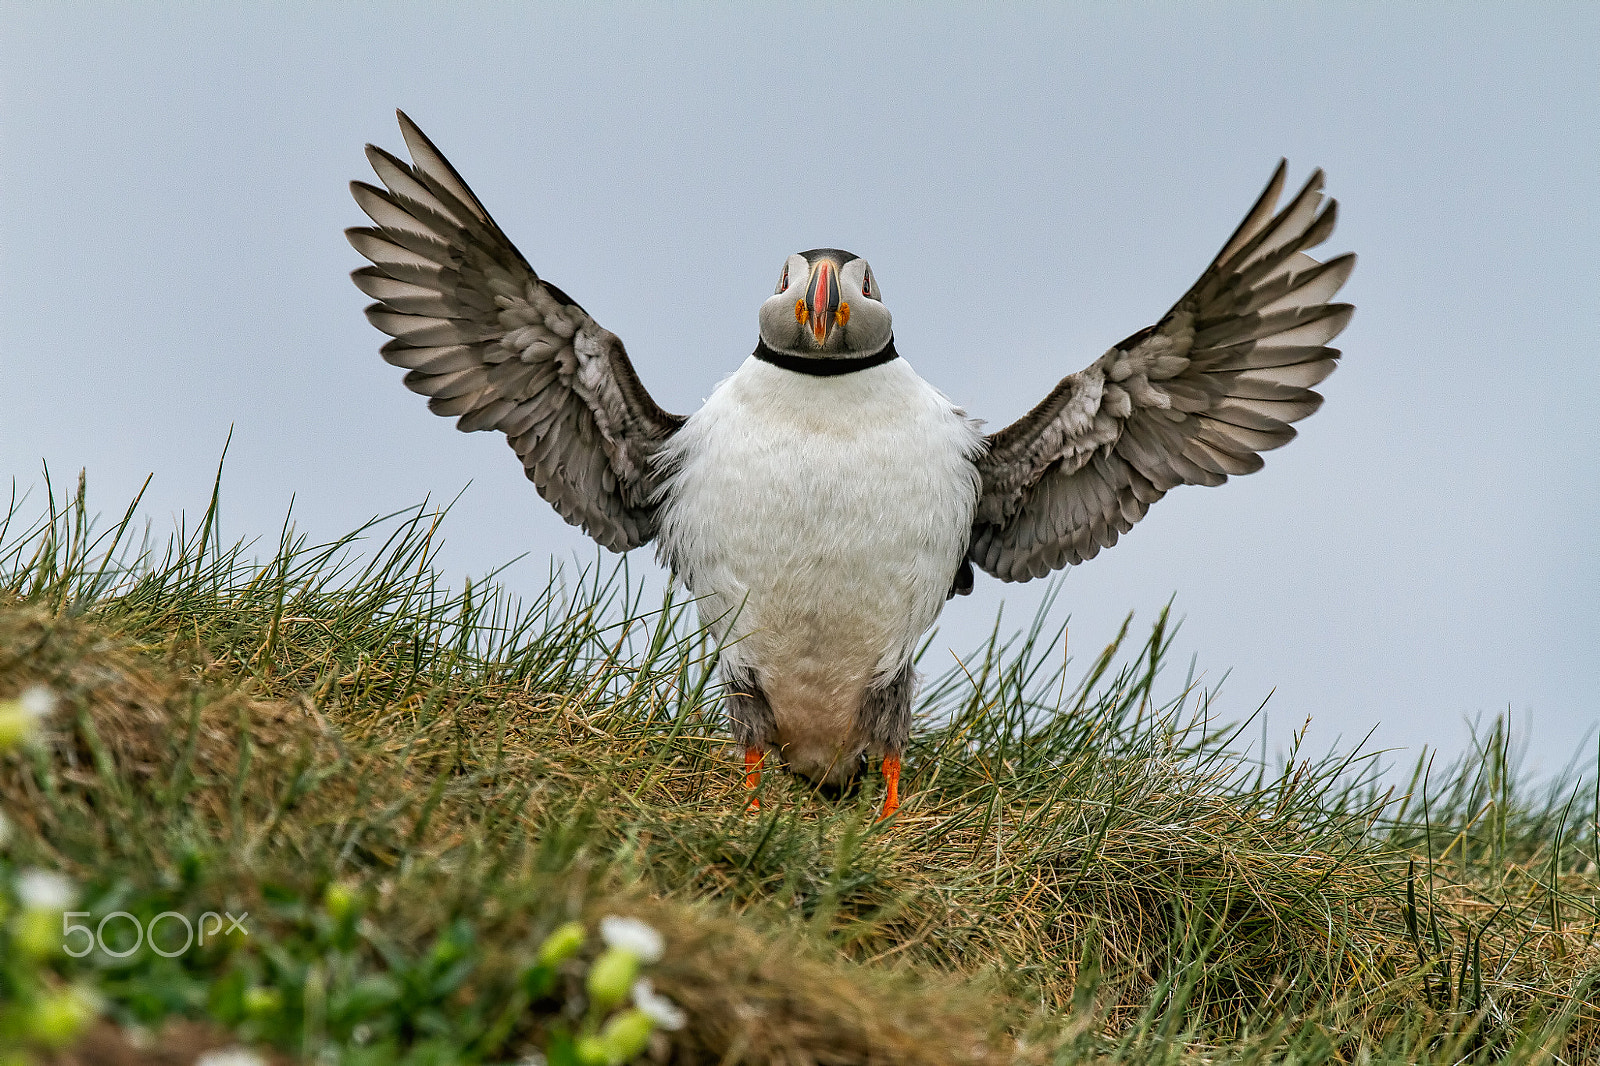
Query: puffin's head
827	307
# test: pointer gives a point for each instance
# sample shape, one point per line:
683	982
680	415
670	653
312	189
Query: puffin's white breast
820	522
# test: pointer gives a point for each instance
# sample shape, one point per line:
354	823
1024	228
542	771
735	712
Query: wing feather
493	345
1191	400
370	243
404	296
440	360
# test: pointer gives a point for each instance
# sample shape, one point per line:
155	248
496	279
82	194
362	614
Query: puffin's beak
821	309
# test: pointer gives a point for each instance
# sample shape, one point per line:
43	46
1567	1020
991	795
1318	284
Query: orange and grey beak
821	308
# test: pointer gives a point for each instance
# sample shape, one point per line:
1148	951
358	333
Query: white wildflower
43	890
231	1056
665	1013
630	934
38	702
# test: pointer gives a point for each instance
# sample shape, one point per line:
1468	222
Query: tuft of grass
1086	869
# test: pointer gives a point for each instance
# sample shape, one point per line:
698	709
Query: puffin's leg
886	721
752	774
753	727
891	781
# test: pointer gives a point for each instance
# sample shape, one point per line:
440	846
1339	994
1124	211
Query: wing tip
357	234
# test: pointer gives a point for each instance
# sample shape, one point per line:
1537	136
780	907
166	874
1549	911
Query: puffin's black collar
824	368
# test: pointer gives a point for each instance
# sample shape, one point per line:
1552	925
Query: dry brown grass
1085	872
277	775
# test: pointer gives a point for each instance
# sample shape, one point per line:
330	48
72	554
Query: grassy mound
408	788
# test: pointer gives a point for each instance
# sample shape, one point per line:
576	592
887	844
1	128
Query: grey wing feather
1190	400
496	347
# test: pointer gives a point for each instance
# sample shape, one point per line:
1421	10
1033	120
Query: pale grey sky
1030	184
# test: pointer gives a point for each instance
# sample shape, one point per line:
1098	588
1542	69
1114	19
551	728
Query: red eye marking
866	285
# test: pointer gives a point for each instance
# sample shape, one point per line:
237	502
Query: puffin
825	501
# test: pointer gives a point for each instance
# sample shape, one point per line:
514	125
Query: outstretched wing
1187	401
496	347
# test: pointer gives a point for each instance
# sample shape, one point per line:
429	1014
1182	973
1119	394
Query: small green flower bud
260	1001
611	978
55	1019
592	1051
562	944
338	900
627	1035
36	933
16	725
20	718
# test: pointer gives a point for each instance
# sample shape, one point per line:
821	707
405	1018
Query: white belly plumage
820	521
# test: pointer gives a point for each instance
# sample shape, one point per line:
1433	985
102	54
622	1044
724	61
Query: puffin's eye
783	282
866	284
